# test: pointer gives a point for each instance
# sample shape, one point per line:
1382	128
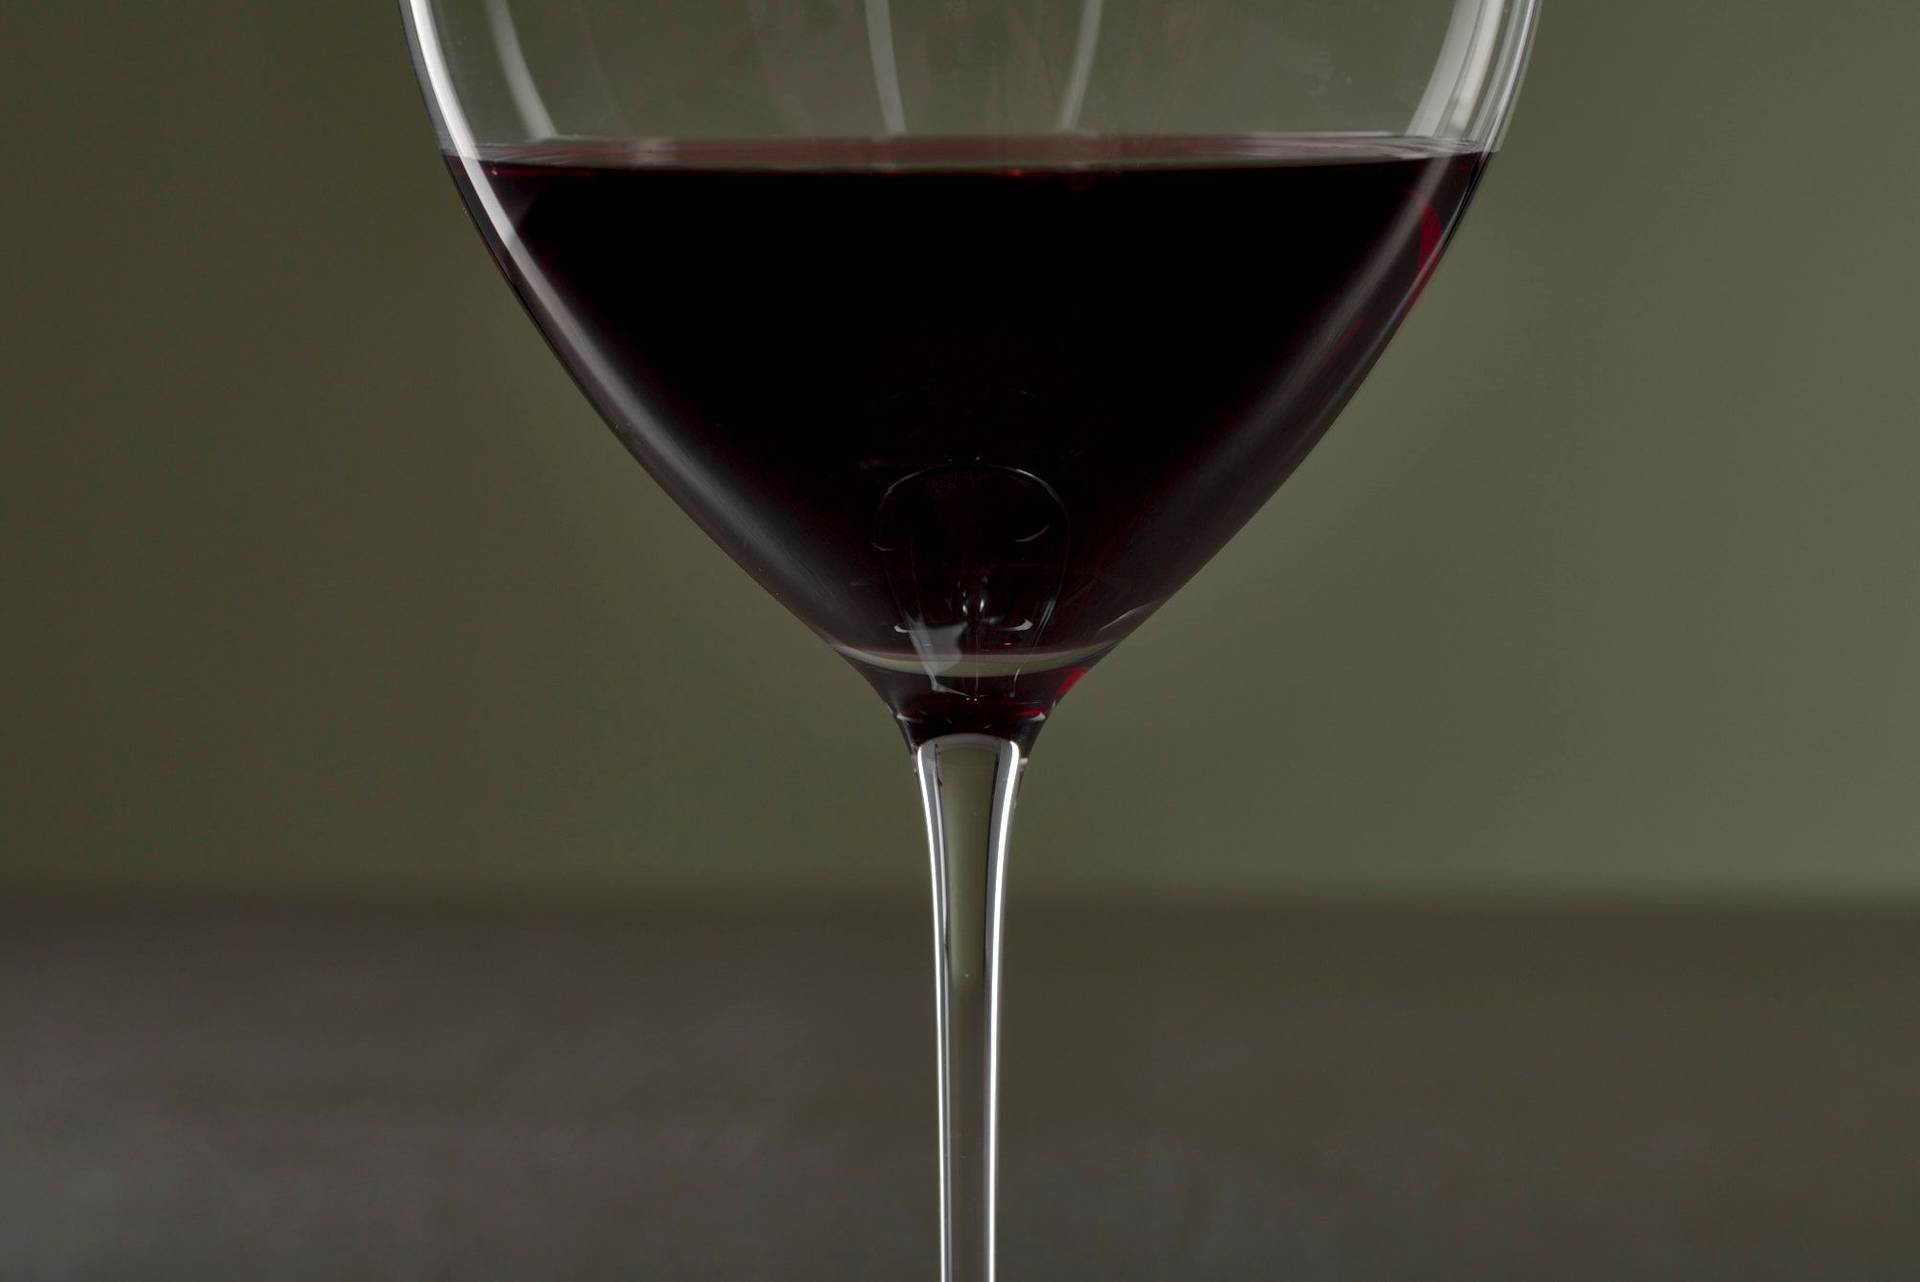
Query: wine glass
970	328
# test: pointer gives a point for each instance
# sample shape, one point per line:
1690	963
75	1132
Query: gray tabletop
197	1090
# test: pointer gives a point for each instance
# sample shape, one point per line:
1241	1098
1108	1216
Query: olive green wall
316	570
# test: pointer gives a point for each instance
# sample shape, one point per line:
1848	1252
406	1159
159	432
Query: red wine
971	413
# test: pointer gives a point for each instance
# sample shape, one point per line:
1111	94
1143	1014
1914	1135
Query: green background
317	572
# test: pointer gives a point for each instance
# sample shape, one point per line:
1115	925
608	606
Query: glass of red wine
971	329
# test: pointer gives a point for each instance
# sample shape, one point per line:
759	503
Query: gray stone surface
207	1090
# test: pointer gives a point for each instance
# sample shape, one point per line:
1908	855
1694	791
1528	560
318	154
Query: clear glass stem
967	783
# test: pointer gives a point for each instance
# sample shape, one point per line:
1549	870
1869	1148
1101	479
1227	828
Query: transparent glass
970	328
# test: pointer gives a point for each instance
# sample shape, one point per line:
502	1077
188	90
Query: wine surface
971	412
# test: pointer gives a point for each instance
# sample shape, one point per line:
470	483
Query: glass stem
967	783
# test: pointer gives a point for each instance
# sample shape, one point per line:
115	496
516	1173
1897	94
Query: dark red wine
971	414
